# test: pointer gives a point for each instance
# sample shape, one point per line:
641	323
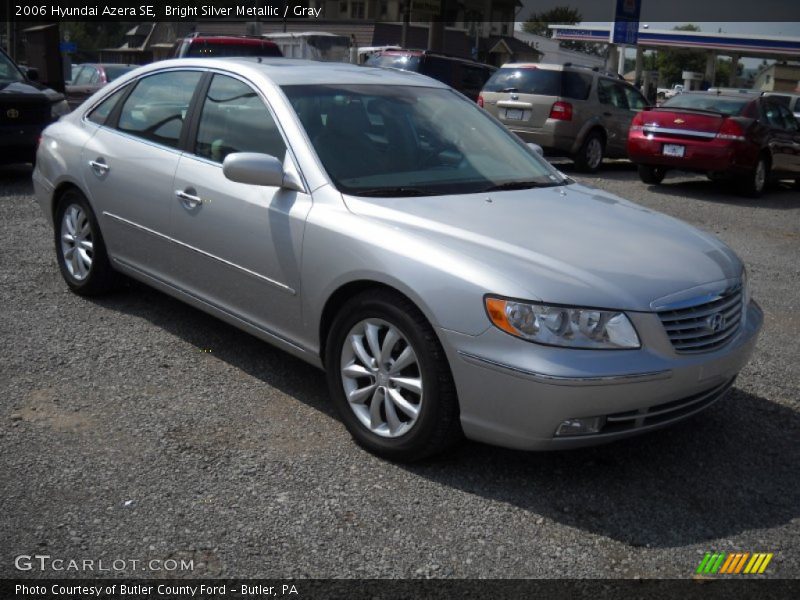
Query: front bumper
516	394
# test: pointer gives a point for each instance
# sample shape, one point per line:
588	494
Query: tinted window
726	105
780	99
100	114
394	61
789	122
635	100
157	107
114	71
772	115
9	71
86	76
611	92
441	69
234	119
526	81
576	85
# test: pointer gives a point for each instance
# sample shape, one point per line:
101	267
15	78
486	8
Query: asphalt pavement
136	428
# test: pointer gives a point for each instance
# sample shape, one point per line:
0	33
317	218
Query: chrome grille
704	327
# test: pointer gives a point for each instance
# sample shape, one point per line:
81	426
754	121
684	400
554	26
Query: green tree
672	63
96	36
538	23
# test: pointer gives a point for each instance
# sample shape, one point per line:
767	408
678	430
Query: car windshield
413	141
405	62
721	104
8	70
114	71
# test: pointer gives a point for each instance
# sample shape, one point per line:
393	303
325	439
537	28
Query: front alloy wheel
389	378
381	378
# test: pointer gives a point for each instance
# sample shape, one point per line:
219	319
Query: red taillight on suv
480	100
731	130
561	111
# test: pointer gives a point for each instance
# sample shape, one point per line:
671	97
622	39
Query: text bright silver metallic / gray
379	225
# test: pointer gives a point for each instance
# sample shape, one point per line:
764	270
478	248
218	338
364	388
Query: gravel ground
135	427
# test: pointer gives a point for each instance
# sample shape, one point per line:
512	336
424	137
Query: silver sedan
377	224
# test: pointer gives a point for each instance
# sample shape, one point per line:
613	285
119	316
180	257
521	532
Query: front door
238	245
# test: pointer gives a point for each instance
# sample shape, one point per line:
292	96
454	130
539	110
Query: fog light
580	426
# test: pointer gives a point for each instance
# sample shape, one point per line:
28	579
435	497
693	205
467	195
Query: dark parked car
26	108
91	77
743	136
467	76
207	46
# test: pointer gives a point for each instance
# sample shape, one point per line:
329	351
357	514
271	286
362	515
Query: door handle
187	199
606	114
99	167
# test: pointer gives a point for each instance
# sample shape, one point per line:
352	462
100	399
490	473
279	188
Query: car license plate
674	150
514	114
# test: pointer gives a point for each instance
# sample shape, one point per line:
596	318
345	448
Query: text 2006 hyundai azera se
378	224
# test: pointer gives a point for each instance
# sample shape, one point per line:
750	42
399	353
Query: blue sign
68	47
626	22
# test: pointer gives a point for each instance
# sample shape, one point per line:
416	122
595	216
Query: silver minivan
580	112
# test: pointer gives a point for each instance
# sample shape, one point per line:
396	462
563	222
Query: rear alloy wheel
389	379
80	250
652	175
590	155
756	180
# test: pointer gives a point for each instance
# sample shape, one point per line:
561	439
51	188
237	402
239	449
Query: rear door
779	139
616	115
793	151
238	245
129	166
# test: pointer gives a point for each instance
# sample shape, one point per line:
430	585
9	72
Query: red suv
744	136
198	45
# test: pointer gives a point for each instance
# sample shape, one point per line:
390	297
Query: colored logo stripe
739	562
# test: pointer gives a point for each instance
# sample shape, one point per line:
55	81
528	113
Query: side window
101	112
155	110
611	92
85	76
575	85
635	100
439	68
772	115
789	122
234	119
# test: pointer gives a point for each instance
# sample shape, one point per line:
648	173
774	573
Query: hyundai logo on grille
716	322
12	113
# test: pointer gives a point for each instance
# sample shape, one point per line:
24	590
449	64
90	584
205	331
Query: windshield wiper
516	185
391	192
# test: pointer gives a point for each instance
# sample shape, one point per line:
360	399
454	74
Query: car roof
230	40
290	71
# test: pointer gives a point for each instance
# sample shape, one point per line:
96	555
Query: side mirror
254	168
32	74
536	148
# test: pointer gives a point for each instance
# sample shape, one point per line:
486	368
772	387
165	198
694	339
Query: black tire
437	426
755	181
586	159
651	175
100	277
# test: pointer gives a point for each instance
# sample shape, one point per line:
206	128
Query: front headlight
563	326
59	109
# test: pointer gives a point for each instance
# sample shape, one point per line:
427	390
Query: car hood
27	91
566	244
